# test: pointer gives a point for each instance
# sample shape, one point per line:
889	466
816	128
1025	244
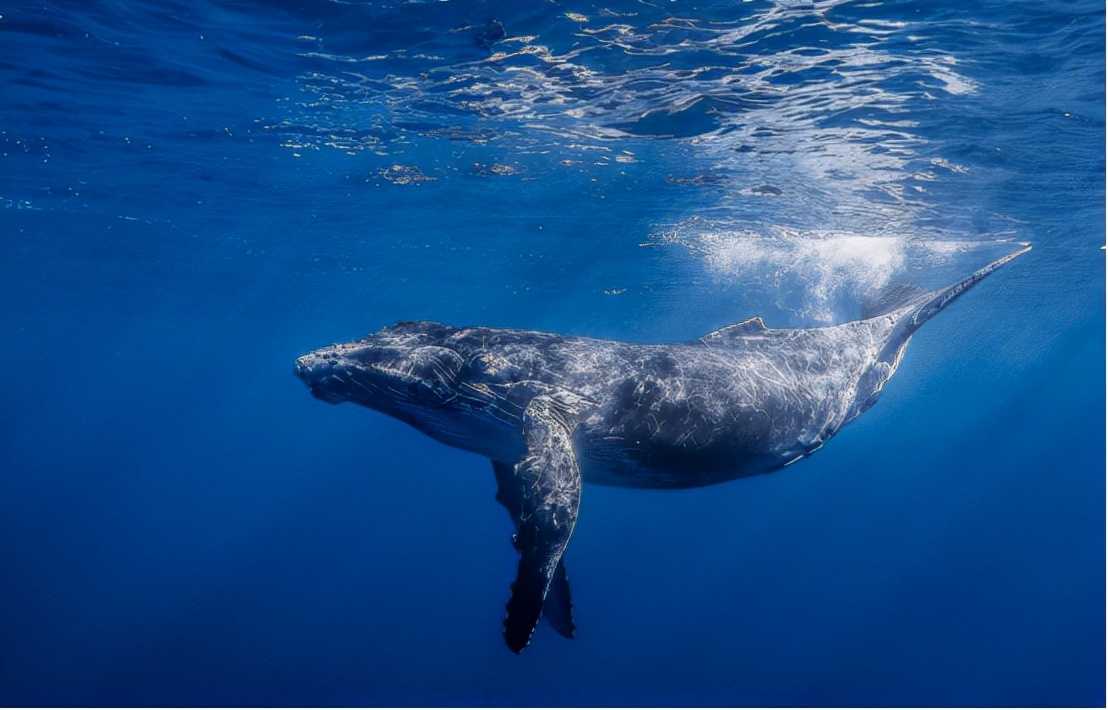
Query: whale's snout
309	369
382	371
320	372
302	369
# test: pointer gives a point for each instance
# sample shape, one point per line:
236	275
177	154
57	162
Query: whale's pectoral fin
558	608
542	494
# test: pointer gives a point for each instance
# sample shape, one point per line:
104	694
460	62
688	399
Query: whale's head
401	369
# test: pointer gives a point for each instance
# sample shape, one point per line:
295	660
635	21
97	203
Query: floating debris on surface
404	175
491	169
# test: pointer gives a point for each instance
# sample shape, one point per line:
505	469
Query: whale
554	412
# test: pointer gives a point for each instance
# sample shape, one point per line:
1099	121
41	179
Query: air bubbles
824	276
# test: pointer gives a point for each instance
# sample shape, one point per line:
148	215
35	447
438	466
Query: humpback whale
553	412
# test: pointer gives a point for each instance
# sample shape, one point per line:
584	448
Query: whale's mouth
324	394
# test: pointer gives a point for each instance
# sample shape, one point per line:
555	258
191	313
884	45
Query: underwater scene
576	275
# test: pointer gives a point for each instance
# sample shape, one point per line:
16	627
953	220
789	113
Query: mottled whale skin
554	411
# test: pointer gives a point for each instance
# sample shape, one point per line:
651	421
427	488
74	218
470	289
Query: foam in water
824	277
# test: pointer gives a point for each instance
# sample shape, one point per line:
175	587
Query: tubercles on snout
381	375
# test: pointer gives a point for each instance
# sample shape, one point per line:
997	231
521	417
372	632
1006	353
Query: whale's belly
706	434
614	461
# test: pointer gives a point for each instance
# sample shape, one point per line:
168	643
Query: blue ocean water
194	193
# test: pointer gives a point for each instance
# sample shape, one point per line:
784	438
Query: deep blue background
192	194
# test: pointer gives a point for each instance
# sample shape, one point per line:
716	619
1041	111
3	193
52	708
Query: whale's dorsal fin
750	326
542	494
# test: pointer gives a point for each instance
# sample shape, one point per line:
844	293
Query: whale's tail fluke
898	324
924	307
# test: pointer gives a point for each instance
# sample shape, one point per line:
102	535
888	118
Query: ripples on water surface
192	193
